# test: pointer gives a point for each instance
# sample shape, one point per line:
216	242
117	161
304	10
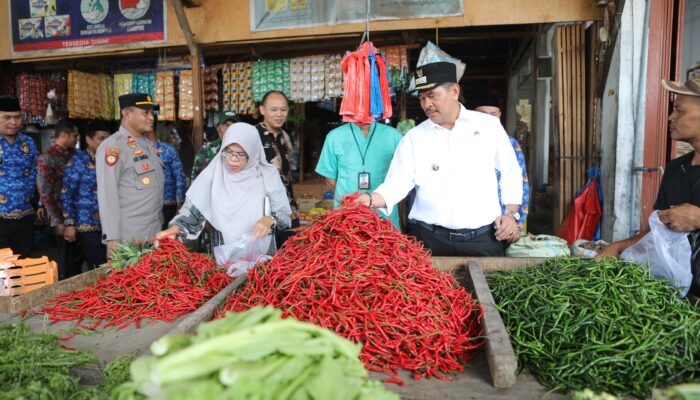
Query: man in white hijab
238	193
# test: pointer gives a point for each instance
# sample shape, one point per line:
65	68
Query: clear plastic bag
666	252
238	257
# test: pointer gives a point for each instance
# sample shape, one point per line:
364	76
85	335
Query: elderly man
18	156
130	176
451	159
678	200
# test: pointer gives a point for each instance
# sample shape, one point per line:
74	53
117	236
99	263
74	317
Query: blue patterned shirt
79	193
524	209
174	189
17	176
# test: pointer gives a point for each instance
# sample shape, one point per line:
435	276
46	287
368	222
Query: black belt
456	235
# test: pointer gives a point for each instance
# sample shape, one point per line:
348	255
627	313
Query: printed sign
64	25
287	14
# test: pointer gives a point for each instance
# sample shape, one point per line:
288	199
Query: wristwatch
514	214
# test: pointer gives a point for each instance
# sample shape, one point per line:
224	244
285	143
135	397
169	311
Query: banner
286	14
59	25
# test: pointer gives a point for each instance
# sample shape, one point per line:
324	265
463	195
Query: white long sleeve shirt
454	172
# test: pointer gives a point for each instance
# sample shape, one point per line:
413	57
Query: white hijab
233	202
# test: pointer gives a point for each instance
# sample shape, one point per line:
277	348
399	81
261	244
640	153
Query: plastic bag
538	246
432	54
666	252
238	257
584	216
586	248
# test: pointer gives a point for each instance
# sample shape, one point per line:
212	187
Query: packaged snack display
144	83
211	88
122	85
333	76
186	108
270	75
237	88
165	95
87	95
307	80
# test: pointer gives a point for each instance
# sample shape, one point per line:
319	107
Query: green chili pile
604	325
354	273
35	366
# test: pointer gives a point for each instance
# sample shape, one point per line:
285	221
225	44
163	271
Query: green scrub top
341	159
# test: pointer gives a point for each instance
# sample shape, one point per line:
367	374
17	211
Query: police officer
130	176
18	157
451	160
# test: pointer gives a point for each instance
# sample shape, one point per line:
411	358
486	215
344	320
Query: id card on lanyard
363	177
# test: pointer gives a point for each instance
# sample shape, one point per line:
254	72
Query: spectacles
235	156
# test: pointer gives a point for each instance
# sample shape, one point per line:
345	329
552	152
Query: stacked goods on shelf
307	80
237	82
88	95
270	75
186	107
144	83
122	85
333	76
397	66
211	88
165	95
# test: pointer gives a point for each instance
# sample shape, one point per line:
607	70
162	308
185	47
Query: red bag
583	218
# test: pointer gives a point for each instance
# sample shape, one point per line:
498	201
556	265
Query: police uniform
17	187
130	183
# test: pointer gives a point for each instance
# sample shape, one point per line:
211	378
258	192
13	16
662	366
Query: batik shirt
50	180
204	156
174	188
523	210
278	151
79	193
17	176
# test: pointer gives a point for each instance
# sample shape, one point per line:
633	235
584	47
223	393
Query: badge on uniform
3	200
111	156
25	148
91	166
145	180
363	180
131	142
138	152
161	150
145	166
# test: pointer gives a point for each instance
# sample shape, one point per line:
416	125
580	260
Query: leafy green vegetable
127	254
254	355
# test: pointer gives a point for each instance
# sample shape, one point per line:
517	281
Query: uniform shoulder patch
111	156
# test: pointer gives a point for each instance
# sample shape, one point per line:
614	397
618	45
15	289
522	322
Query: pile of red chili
354	273
164	285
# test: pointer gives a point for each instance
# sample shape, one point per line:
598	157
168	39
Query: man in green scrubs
357	158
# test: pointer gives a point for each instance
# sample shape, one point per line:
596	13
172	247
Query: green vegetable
689	391
127	254
588	394
34	366
604	325
254	355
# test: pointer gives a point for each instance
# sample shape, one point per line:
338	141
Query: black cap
9	104
140	100
431	75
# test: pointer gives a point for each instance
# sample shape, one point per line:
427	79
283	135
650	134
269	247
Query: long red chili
353	273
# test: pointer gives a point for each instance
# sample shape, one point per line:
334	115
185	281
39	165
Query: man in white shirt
451	159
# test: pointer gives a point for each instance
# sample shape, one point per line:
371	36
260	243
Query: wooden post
196	54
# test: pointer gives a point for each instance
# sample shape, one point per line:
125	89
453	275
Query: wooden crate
26	275
15	304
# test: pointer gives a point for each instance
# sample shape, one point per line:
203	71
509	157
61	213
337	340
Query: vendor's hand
263	227
611	250
363	199
70	233
169	233
681	218
111	246
59	229
506	228
41	213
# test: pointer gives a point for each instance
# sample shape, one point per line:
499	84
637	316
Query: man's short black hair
92	127
264	99
64	126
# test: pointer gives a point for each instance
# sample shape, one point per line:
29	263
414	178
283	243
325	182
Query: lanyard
371	135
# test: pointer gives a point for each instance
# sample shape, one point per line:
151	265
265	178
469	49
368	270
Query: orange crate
18	277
